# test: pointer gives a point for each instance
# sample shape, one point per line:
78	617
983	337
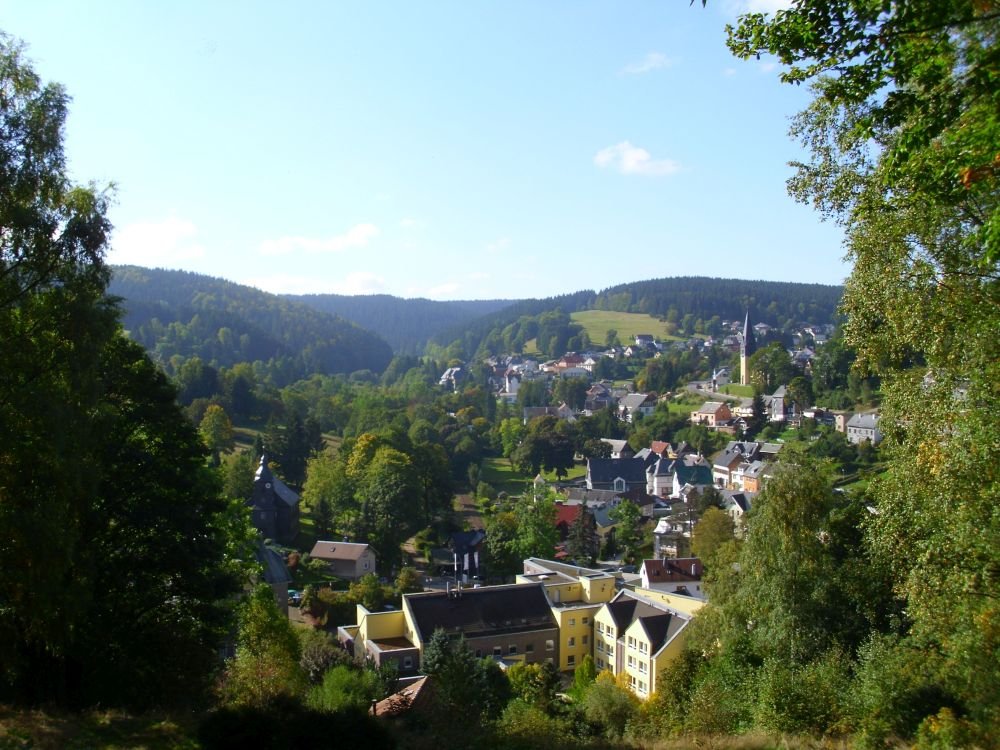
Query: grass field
735	389
597	323
498	473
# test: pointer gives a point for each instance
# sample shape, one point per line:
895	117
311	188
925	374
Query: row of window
584	621
529	648
635	643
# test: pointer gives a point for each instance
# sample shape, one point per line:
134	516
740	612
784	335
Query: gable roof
515	608
673	571
338	550
607	470
635	400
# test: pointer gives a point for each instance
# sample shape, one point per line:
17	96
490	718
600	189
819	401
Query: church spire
747	347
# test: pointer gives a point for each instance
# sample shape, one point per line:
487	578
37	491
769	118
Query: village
628	616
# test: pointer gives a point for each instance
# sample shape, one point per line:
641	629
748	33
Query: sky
446	149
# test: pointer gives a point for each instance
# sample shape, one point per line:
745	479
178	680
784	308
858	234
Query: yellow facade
628	651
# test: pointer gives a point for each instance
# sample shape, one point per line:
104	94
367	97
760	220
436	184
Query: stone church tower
748	345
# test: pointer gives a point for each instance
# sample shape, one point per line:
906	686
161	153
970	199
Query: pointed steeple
749	344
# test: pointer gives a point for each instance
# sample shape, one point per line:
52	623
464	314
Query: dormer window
619	484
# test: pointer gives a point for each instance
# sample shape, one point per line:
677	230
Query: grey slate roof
516	608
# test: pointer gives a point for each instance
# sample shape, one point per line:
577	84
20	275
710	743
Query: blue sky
451	150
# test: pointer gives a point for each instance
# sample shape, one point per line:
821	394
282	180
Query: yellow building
575	595
639	632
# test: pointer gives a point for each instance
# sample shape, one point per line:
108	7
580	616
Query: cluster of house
554	612
720	416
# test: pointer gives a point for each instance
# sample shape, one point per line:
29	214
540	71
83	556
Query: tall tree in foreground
115	548
903	132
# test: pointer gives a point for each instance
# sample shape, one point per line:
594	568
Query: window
586	620
600	626
550	646
600	663
407	662
572	641
631	642
549	660
631	661
611	650
571	660
530	648
512	649
642	686
619	484
642	667
497	650
572	621
584	640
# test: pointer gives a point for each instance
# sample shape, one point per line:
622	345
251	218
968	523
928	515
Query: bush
810	699
288	725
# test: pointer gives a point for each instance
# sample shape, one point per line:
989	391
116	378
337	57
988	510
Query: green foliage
185	315
714	529
368	592
610	706
408	581
266	665
320	652
535	684
903	150
344	687
628	530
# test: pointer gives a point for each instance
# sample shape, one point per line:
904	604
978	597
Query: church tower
748	346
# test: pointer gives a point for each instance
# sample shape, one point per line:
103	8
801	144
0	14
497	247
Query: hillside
679	302
176	313
407	324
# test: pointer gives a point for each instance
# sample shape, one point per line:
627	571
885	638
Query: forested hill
187	314
407	324
776	303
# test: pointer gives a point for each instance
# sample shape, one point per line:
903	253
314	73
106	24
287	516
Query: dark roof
267	488
656	627
673	571
516	608
606	470
621	611
275	570
694	475
467	541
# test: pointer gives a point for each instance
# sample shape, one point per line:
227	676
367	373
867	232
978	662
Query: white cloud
767	67
728	72
357	236
629	159
652	61
151	243
478	276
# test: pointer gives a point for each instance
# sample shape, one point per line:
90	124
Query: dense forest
177	315
674	300
407	324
